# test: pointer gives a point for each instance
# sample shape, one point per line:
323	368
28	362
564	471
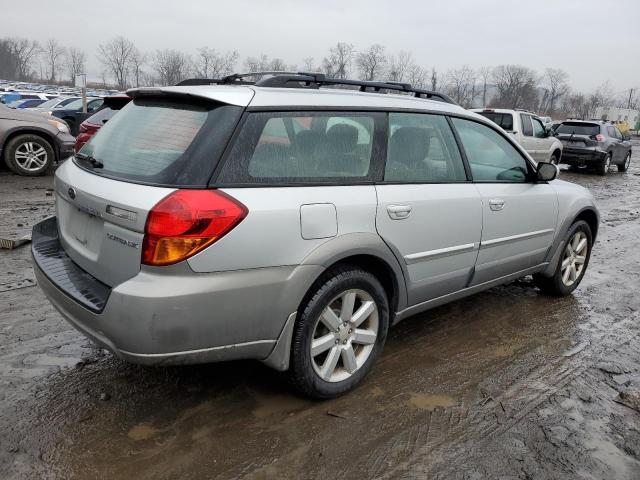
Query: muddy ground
505	384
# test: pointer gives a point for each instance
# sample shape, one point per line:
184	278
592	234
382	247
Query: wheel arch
11	134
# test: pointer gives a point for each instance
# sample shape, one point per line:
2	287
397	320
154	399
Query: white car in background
528	130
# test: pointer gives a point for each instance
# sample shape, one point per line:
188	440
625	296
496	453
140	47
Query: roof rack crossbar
315	80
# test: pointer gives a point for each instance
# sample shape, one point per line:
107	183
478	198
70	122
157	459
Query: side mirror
547	171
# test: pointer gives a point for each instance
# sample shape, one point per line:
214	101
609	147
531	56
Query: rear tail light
187	221
600	137
83	128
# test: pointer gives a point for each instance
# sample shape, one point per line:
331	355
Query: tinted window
302	147
102	116
491	157
162	142
538	128
617	133
527	128
505	120
611	132
422	149
579	128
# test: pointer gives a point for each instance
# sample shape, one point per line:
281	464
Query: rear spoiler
231	95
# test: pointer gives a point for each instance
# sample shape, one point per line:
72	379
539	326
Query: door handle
399	212
496	204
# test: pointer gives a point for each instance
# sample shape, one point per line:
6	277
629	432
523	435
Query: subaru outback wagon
294	223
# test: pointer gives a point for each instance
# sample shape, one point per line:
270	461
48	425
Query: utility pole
630	97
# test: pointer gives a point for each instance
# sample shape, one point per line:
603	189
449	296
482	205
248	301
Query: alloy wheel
575	255
344	335
31	156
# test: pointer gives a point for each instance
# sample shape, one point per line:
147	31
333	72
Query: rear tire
572	264
554	159
339	333
29	155
627	162
603	167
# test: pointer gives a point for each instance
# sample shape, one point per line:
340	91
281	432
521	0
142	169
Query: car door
519	215
621	146
428	212
542	140
529	142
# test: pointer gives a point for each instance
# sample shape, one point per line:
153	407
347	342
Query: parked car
295	225
546	121
91	125
72	112
528	130
54	103
594	143
12	96
31	142
31	102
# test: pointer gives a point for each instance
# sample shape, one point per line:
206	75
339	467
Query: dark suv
594	143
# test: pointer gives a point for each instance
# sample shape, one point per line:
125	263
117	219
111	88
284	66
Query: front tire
339	333
603	167
572	264
627	162
29	155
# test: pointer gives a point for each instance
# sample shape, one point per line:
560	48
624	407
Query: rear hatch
158	143
578	134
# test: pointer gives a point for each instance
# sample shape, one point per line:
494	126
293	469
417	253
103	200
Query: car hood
20	114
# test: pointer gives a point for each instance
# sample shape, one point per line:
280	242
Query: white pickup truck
528	130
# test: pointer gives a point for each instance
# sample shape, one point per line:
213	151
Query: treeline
124	65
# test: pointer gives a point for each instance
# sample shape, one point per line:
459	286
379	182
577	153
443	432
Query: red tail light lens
600	137
187	221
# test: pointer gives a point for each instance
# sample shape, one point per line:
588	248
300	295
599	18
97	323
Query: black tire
623	167
554	285
554	159
18	144
302	373
603	166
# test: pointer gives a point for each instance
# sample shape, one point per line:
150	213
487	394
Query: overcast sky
593	40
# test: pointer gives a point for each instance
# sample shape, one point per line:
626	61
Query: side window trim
496	129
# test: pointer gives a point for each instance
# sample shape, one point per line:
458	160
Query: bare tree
555	85
53	55
516	87
461	85
434	79
417	76
277	65
372	62
308	65
137	62
485	75
399	66
212	64
338	63
172	66
116	56
257	64
24	52
74	62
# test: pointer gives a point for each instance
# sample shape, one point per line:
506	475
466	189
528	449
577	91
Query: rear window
101	117
167	142
579	128
303	147
505	120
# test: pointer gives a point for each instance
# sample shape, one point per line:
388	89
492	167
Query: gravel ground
505	384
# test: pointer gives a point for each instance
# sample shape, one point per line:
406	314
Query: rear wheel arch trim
28	131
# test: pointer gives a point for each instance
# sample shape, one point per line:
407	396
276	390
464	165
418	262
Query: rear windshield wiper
95	163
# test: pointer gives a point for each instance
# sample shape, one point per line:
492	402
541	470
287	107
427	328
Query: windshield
161	142
49	103
505	120
579	128
74	104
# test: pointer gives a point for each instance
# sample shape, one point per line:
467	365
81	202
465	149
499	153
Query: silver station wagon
293	220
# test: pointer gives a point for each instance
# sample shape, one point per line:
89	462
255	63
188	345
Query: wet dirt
505	384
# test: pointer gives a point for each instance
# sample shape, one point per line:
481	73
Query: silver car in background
294	223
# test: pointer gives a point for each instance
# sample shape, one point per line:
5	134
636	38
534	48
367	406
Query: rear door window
163	141
304	147
527	128
538	128
422	149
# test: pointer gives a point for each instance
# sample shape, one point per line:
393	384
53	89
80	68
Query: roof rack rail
315	80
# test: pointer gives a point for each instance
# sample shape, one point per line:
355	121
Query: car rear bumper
582	156
65	144
169	315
